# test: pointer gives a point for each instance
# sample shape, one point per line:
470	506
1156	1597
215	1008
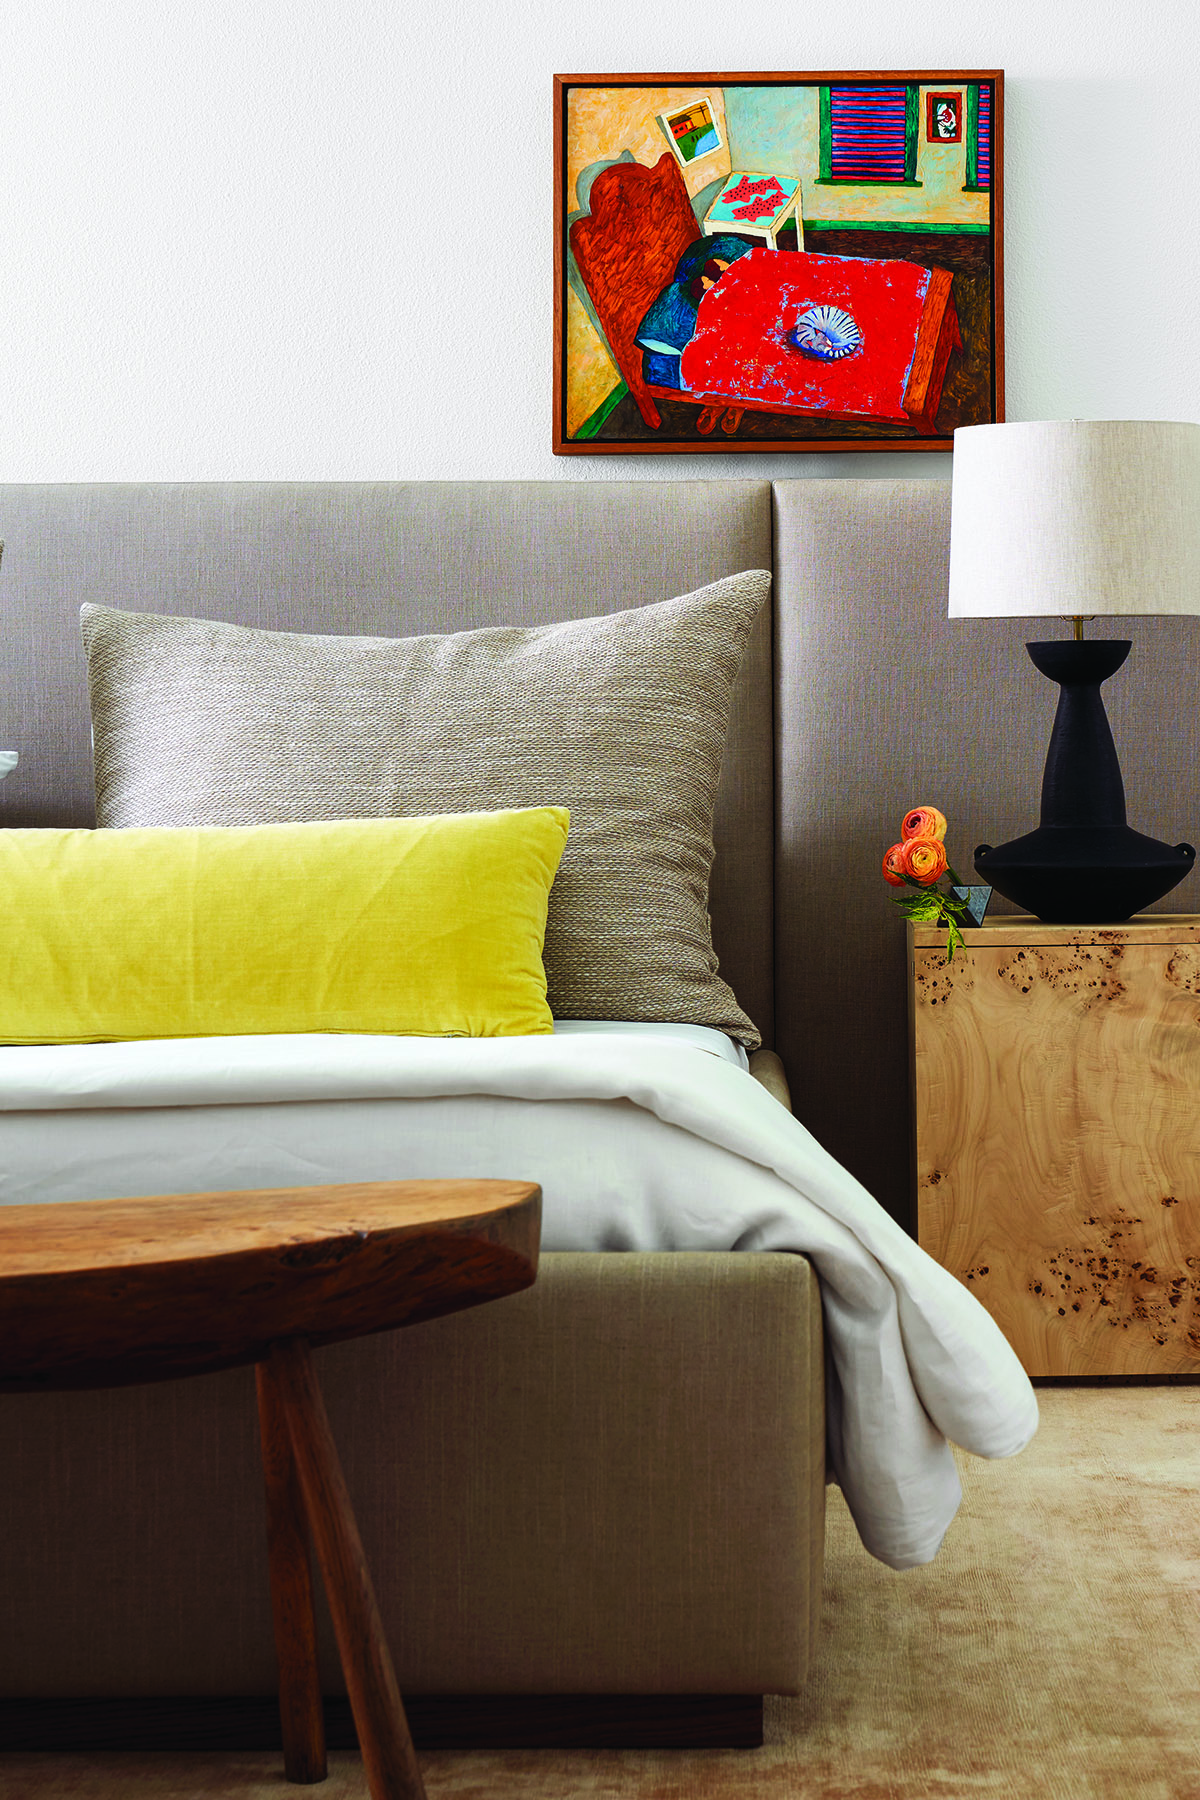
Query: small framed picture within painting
943	118
776	262
691	131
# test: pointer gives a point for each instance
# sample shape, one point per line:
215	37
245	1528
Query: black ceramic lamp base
1083	865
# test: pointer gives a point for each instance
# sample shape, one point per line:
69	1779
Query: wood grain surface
106	1292
1056	1083
1019	928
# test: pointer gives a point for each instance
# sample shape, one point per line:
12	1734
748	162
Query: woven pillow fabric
620	718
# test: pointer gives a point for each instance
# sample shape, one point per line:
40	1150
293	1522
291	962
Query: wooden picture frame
850	300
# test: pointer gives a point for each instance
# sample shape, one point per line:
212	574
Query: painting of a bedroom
781	262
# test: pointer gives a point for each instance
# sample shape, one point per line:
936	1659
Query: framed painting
776	261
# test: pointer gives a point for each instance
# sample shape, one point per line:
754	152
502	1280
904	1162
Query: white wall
282	239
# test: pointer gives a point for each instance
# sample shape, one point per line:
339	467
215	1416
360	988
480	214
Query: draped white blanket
638	1145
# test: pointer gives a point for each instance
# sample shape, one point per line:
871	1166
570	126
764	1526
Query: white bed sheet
700	1037
640	1140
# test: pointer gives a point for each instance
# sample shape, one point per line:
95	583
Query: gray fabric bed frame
628	1499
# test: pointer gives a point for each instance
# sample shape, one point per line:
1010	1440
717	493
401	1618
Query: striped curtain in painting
983	137
868	133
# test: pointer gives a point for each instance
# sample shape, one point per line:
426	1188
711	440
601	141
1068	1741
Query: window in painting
869	134
979	137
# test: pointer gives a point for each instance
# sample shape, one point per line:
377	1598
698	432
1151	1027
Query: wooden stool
103	1293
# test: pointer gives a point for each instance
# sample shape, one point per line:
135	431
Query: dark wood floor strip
437	1722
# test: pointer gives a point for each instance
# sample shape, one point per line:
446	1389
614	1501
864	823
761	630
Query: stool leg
383	1737
301	1715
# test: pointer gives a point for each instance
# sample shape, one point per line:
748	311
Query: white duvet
640	1142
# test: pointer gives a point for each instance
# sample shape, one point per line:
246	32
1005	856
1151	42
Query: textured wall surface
267	239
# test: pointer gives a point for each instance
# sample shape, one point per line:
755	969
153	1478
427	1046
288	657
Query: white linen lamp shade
1075	518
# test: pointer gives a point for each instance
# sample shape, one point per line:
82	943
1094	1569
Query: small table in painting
756	206
104	1293
1056	1085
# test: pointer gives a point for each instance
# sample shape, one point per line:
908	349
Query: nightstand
1056	1117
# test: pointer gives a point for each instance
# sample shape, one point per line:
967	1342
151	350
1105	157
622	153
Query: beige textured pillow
621	718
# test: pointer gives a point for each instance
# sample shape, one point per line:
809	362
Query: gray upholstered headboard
382	559
879	700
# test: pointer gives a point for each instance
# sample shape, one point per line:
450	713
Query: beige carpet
1052	1652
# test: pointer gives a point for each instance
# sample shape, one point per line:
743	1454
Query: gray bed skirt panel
480	1452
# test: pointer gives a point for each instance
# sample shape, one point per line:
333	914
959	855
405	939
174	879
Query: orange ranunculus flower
924	822
924	859
894	864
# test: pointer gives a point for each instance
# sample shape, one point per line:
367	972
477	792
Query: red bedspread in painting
741	349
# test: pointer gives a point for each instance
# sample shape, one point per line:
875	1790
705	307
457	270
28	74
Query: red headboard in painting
641	222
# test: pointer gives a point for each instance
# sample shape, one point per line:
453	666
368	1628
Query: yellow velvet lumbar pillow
431	926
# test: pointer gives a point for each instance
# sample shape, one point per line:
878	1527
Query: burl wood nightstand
1056	1108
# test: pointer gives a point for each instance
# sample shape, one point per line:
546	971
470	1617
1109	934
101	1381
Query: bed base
235	1723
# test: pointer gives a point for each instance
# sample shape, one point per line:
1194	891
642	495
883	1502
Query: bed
649	1422
636	248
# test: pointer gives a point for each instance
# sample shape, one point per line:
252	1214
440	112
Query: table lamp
1072	519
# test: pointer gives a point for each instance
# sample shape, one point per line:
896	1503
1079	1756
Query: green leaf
955	940
919	906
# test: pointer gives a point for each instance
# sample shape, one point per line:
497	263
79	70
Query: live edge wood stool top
1056	1089
101	1293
